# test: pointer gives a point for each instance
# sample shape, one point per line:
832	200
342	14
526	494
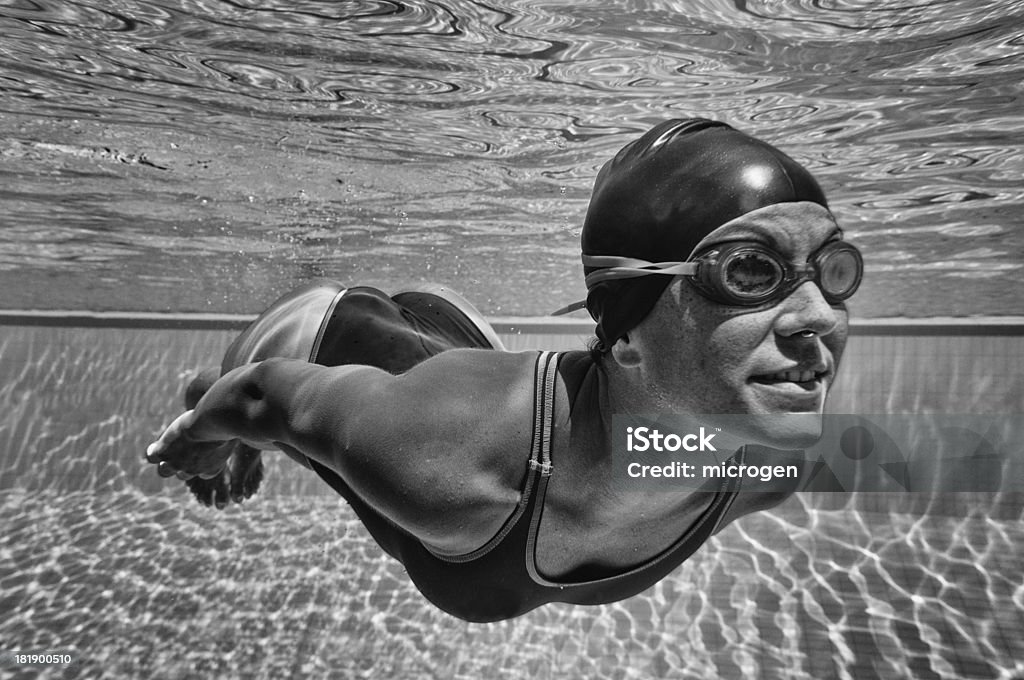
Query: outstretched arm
262	405
439	450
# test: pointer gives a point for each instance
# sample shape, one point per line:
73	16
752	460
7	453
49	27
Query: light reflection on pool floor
151	586
100	556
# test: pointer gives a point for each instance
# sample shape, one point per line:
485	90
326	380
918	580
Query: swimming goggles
743	273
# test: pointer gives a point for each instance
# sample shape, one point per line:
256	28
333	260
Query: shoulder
473	366
464	409
462	387
442	449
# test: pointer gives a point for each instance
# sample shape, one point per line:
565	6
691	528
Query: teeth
794	376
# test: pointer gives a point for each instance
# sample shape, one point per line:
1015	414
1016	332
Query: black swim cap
665	192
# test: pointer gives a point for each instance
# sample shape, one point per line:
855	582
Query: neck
630	392
610	391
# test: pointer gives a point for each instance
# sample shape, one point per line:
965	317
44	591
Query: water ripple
904	109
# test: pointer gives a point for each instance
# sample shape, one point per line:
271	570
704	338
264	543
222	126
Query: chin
791	431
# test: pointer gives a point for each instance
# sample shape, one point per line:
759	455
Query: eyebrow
834	235
769	240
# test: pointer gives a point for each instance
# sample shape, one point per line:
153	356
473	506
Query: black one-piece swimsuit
499	580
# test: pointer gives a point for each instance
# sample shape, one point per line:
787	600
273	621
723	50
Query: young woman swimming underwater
717	277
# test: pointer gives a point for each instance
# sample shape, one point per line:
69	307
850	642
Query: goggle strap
614	268
605	261
576	306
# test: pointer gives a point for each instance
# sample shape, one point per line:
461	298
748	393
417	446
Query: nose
806	310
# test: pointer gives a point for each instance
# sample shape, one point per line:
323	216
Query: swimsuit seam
715	512
732	493
318	340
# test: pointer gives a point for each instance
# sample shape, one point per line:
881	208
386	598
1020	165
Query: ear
626	354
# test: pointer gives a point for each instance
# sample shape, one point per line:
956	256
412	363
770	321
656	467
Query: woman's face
704	357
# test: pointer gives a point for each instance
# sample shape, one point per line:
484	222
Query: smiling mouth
803	378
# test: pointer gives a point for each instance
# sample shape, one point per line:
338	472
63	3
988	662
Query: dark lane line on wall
992	325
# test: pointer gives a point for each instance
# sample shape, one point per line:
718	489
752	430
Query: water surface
209	155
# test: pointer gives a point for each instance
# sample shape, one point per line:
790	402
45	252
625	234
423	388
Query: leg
396	333
451	311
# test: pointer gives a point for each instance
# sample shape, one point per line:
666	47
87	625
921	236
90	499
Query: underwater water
102	559
207	155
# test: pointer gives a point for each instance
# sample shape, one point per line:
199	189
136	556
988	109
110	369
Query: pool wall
82	394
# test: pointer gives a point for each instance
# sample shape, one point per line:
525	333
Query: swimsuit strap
544	376
543	412
703	528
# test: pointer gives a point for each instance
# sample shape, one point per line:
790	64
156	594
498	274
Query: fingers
153	452
165	470
173	433
178	454
163	450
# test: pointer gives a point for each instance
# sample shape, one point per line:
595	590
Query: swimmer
716	275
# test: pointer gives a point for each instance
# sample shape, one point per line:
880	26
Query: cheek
836	341
733	344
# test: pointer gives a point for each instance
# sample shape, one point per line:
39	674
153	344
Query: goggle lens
839	272
751	274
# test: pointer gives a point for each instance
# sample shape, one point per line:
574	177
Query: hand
175	454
